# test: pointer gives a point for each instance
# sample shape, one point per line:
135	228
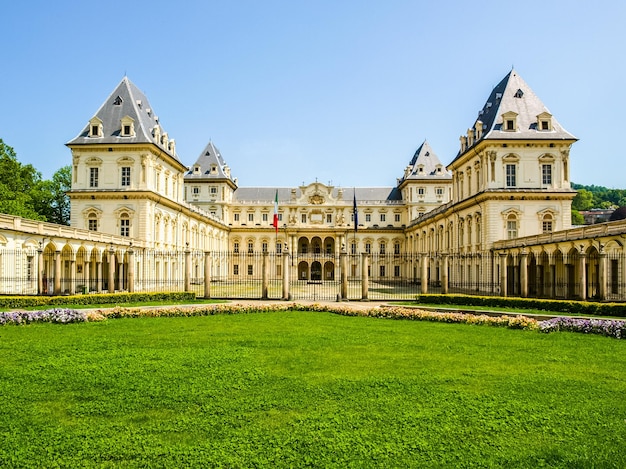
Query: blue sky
290	91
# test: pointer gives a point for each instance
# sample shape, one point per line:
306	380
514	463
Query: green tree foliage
577	218
583	200
25	194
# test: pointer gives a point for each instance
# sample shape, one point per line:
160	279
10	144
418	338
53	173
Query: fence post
207	274
187	268
444	274
286	273
131	270
364	276
523	275
602	275
57	272
424	280
343	257
264	277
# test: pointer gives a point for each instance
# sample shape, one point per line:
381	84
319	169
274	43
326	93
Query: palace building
139	212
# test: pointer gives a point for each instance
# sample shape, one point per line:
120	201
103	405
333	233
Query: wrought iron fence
315	276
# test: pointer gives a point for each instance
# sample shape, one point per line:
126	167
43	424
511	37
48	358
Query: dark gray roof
429	163
363	194
125	100
513	94
210	156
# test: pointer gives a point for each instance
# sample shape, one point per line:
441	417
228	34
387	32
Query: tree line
24	193
597	197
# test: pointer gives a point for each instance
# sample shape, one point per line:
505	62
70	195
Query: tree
51	200
583	200
17	183
577	218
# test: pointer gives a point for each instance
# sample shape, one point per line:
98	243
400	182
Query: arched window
511	226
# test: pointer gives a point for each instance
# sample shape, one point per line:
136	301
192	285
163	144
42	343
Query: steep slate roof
514	94
125	100
209	156
429	161
363	194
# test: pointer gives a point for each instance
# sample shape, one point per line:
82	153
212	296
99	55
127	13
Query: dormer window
196	169
128	127
95	127
509	121
213	169
544	121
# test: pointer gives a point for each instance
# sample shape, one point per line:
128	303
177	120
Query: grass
308	389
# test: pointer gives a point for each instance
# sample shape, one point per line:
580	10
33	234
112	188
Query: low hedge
561	306
93	299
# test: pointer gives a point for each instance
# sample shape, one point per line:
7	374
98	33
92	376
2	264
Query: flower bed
610	328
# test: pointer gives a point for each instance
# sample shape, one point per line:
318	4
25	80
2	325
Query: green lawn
302	389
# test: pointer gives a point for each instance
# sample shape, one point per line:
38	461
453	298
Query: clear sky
289	91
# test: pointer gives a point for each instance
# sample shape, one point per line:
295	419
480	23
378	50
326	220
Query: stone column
264	277
187	269
111	270
503	275
365	257
131	271
40	276
582	265
523	274
57	273
87	275
286	273
424	274
343	260
602	277
444	274
99	275
207	274
72	273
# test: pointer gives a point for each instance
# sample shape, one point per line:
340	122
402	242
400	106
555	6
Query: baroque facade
132	195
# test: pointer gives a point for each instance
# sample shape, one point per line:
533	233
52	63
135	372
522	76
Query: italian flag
275	222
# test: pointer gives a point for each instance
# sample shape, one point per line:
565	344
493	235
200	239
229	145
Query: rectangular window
439	191
547	226
396	249
279	248
382	270
368	217
546	174
196	190
383	217
383	248
303	218
250	248
511	229
124	227
125	176
510	124
280	217
236	269
250	271
94	130
93	177
251	217
396	270
92	224
127	130
236	216
213	190
397	218
510	175
329	218
236	247
264	247
368	248
353	248
264	217
545	125
420	191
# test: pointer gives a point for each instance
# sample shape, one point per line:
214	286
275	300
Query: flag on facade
275	221
355	213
